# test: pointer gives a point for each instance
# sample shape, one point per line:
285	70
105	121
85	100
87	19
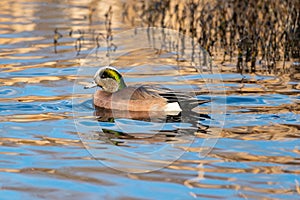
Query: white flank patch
173	107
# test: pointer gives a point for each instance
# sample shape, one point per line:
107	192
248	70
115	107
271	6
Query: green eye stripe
115	75
112	74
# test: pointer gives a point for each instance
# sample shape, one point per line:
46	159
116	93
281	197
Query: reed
250	33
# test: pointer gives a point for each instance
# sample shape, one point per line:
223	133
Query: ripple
8	92
256	155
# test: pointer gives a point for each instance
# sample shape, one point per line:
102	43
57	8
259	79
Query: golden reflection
199	177
270	132
227	170
12	67
10	153
21	50
243	156
26	99
44	141
297	185
10	170
33	80
283	108
296	150
64	173
35	117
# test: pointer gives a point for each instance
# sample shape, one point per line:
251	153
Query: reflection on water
42	156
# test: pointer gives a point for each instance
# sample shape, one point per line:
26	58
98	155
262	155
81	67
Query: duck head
109	79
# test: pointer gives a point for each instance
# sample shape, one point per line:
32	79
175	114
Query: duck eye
104	75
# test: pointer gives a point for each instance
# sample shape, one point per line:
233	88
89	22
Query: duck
116	95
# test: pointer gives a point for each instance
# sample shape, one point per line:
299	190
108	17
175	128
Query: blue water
53	146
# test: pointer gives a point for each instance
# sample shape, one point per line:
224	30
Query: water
53	147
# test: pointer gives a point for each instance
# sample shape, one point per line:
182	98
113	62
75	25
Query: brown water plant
251	33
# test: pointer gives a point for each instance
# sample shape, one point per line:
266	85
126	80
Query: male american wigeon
115	94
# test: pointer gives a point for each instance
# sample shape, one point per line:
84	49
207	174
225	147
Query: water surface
256	154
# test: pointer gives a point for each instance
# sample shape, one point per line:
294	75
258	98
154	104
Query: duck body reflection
149	127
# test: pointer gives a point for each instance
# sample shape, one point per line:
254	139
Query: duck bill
91	85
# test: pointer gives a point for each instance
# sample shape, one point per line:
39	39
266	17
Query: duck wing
186	101
136	93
